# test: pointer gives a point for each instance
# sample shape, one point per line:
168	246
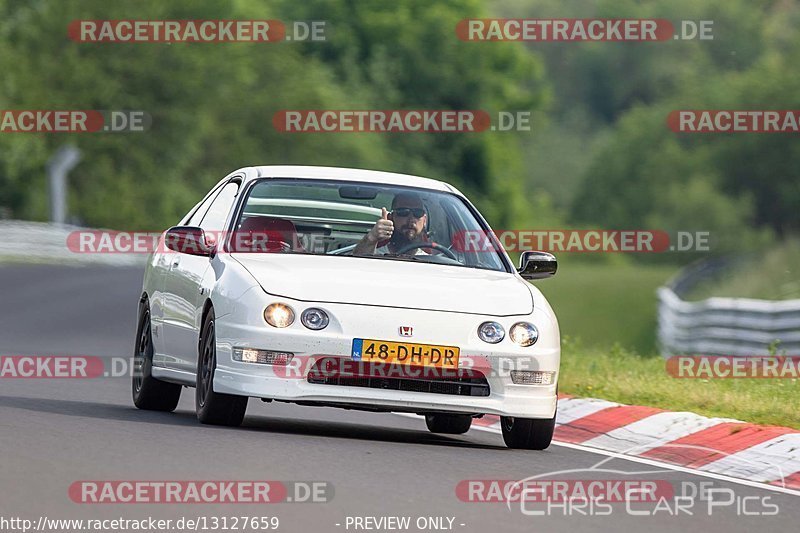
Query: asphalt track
55	432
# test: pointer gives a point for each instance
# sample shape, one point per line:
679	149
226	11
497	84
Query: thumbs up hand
382	229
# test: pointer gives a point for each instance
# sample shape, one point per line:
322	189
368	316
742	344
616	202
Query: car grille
461	382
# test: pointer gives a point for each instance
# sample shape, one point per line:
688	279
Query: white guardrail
44	242
724	326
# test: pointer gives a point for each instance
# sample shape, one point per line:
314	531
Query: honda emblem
406	331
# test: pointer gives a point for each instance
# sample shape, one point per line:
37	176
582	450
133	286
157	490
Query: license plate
405	353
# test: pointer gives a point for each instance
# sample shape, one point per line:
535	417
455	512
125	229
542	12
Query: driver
404	226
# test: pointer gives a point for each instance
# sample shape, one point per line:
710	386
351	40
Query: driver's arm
382	229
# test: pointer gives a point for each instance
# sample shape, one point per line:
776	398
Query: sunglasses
403	212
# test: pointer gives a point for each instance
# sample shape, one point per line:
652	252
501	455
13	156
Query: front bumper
245	328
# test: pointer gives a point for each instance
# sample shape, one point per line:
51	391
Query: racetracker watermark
73	121
580	30
563	490
734	121
581	241
67	366
408	363
398	121
733	367
200	492
563	495
195	31
51	367
142	242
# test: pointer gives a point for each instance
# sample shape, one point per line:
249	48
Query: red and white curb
716	446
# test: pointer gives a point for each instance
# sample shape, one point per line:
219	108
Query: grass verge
623	376
604	304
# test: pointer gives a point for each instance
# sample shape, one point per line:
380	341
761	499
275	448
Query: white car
282	285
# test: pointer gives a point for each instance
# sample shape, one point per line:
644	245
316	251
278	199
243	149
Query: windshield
360	219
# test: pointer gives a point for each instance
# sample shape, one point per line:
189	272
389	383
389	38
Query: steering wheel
438	247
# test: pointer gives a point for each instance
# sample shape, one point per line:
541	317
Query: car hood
384	282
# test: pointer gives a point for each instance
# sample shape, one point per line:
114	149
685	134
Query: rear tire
212	407
528	433
149	393
449	424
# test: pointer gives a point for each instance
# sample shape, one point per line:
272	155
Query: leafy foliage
212	104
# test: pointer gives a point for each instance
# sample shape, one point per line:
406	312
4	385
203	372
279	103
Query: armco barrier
723	326
43	242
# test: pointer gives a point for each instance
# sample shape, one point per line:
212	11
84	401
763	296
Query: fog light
314	318
532	377
491	332
279	315
264	357
524	334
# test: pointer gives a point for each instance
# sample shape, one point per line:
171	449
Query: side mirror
537	265
188	240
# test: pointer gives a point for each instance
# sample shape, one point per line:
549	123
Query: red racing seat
266	234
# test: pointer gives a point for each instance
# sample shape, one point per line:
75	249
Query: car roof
350	174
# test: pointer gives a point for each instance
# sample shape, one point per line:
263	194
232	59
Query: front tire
212	407
149	393
449	424
528	433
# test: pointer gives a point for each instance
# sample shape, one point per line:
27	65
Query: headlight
524	334
491	332
314	318
279	315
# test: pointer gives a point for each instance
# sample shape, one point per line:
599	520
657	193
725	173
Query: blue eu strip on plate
358	345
